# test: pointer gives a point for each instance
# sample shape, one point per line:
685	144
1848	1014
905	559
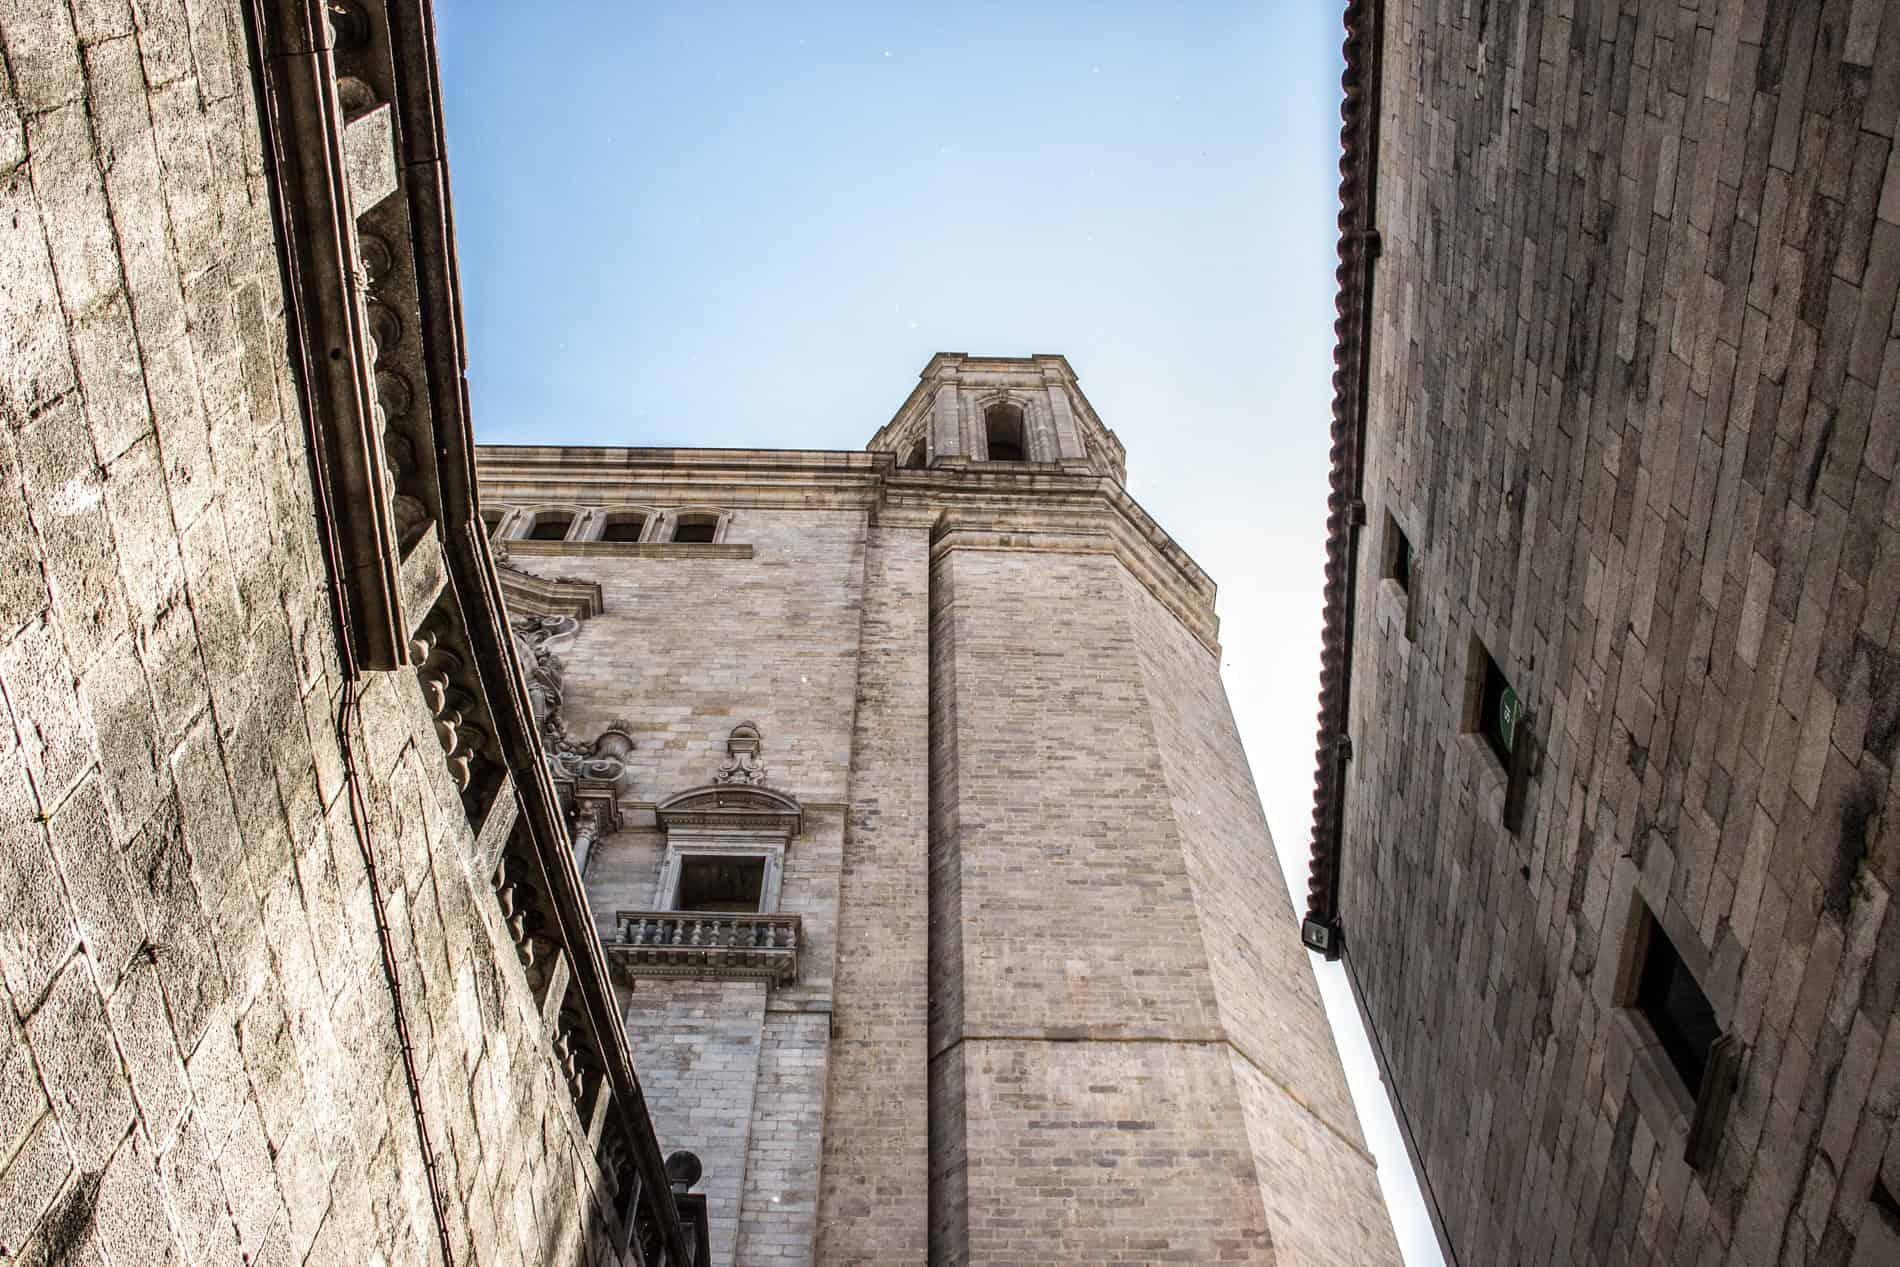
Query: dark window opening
1003	429
1498	711
915	462
721	884
624	528
696	530
1675	1007
550	527
1399	561
491	520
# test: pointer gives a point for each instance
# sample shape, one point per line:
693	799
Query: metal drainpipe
349	722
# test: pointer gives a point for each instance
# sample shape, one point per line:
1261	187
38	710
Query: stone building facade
1605	830
923	846
925	877
294	964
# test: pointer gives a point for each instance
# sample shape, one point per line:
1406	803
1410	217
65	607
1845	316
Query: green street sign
1508	710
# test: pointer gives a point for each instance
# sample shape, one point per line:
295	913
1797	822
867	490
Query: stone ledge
711	945
628	549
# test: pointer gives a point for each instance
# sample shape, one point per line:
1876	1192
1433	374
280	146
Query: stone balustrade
707	944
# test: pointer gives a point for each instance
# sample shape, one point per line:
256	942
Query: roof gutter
1345	505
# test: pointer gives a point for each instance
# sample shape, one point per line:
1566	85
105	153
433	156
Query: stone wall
1073	1027
197	1053
687	647
1290	1086
1044	1011
875	1179
696	1045
1633	393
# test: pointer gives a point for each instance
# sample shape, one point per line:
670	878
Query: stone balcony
706	944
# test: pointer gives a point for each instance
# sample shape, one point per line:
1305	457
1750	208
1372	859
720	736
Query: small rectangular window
550	527
1672	1001
1498	710
624	528
696	531
721	884
1398	564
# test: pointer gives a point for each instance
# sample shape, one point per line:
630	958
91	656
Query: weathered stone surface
1630	401
198	1058
1038	1012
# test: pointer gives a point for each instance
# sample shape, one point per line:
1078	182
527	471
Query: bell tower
979	409
1125	1042
943	909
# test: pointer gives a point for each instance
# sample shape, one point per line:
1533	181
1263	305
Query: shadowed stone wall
197	1054
1633	394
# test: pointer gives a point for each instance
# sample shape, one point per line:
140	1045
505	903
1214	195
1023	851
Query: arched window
551	525
697	529
624	525
915	460
1003	429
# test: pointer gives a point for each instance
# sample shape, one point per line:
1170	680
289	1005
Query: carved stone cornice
351	117
1032	503
732	807
529	595
524	548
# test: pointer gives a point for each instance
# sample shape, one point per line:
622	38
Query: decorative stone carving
568	1059
587	775
539	640
439	667
707	945
744	762
604	760
514	912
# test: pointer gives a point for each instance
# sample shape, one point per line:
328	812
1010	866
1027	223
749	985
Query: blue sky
751	225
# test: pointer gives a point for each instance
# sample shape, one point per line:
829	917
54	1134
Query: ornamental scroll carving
744	761
540	640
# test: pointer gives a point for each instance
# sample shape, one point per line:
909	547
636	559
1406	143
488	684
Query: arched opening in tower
1003	429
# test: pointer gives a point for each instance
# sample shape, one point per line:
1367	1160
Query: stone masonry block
42	691
42	51
67	501
23	593
106	353
111	918
37	358
31	1179
139	506
72	199
84	1076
